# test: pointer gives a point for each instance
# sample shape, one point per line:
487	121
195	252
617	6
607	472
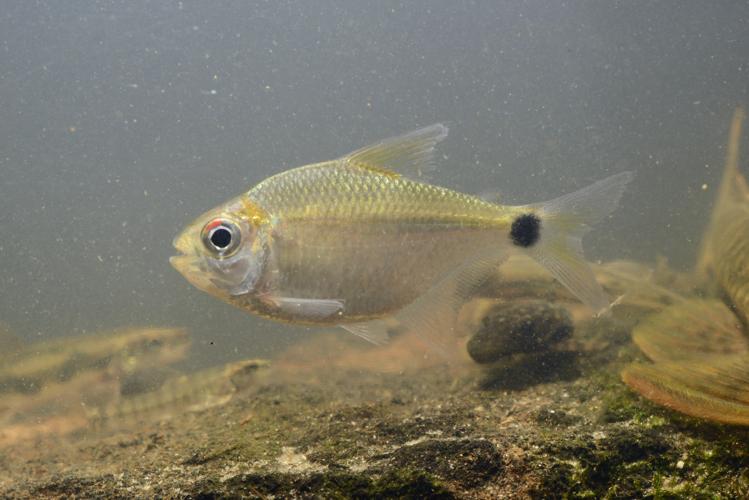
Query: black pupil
221	237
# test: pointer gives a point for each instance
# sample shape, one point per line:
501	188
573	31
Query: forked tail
563	223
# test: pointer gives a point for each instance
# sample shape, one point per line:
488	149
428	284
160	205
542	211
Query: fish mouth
181	263
181	243
189	263
190	269
185	260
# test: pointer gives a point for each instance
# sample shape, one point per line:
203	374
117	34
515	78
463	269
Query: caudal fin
563	223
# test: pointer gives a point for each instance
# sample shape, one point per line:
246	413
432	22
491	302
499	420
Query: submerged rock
427	433
468	462
522	327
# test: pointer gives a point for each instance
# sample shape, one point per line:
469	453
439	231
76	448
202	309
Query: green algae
359	434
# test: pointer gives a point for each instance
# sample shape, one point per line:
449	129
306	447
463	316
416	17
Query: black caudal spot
525	230
221	237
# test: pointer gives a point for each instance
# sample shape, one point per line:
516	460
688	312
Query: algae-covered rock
522	327
468	462
426	433
345	420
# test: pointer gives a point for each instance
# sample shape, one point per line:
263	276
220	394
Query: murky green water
121	123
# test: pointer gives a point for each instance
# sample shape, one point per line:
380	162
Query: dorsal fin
411	154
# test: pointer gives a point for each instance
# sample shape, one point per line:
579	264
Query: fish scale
340	191
430	229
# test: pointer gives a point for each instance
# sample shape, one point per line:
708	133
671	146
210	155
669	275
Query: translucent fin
564	259
375	331
717	389
433	316
692	329
564	221
411	154
308	308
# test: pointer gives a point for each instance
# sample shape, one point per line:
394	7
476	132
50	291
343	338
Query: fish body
357	240
373	240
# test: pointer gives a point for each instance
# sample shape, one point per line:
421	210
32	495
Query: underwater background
121	122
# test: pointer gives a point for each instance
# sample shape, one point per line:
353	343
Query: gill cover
224	250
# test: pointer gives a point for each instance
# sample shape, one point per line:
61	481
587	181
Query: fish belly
374	269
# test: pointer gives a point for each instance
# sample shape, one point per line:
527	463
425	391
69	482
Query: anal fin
432	317
375	331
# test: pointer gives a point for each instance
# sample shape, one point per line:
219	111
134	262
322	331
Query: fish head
223	252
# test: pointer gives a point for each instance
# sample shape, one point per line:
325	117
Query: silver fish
362	239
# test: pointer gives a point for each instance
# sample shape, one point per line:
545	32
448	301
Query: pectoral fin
307	308
375	331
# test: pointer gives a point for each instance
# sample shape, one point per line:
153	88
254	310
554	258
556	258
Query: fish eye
221	237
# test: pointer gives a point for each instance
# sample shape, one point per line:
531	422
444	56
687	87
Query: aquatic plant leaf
725	377
692	329
635	284
717	389
411	154
733	189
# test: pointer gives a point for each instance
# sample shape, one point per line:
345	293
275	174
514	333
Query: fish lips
188	263
185	261
189	267
182	243
198	273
